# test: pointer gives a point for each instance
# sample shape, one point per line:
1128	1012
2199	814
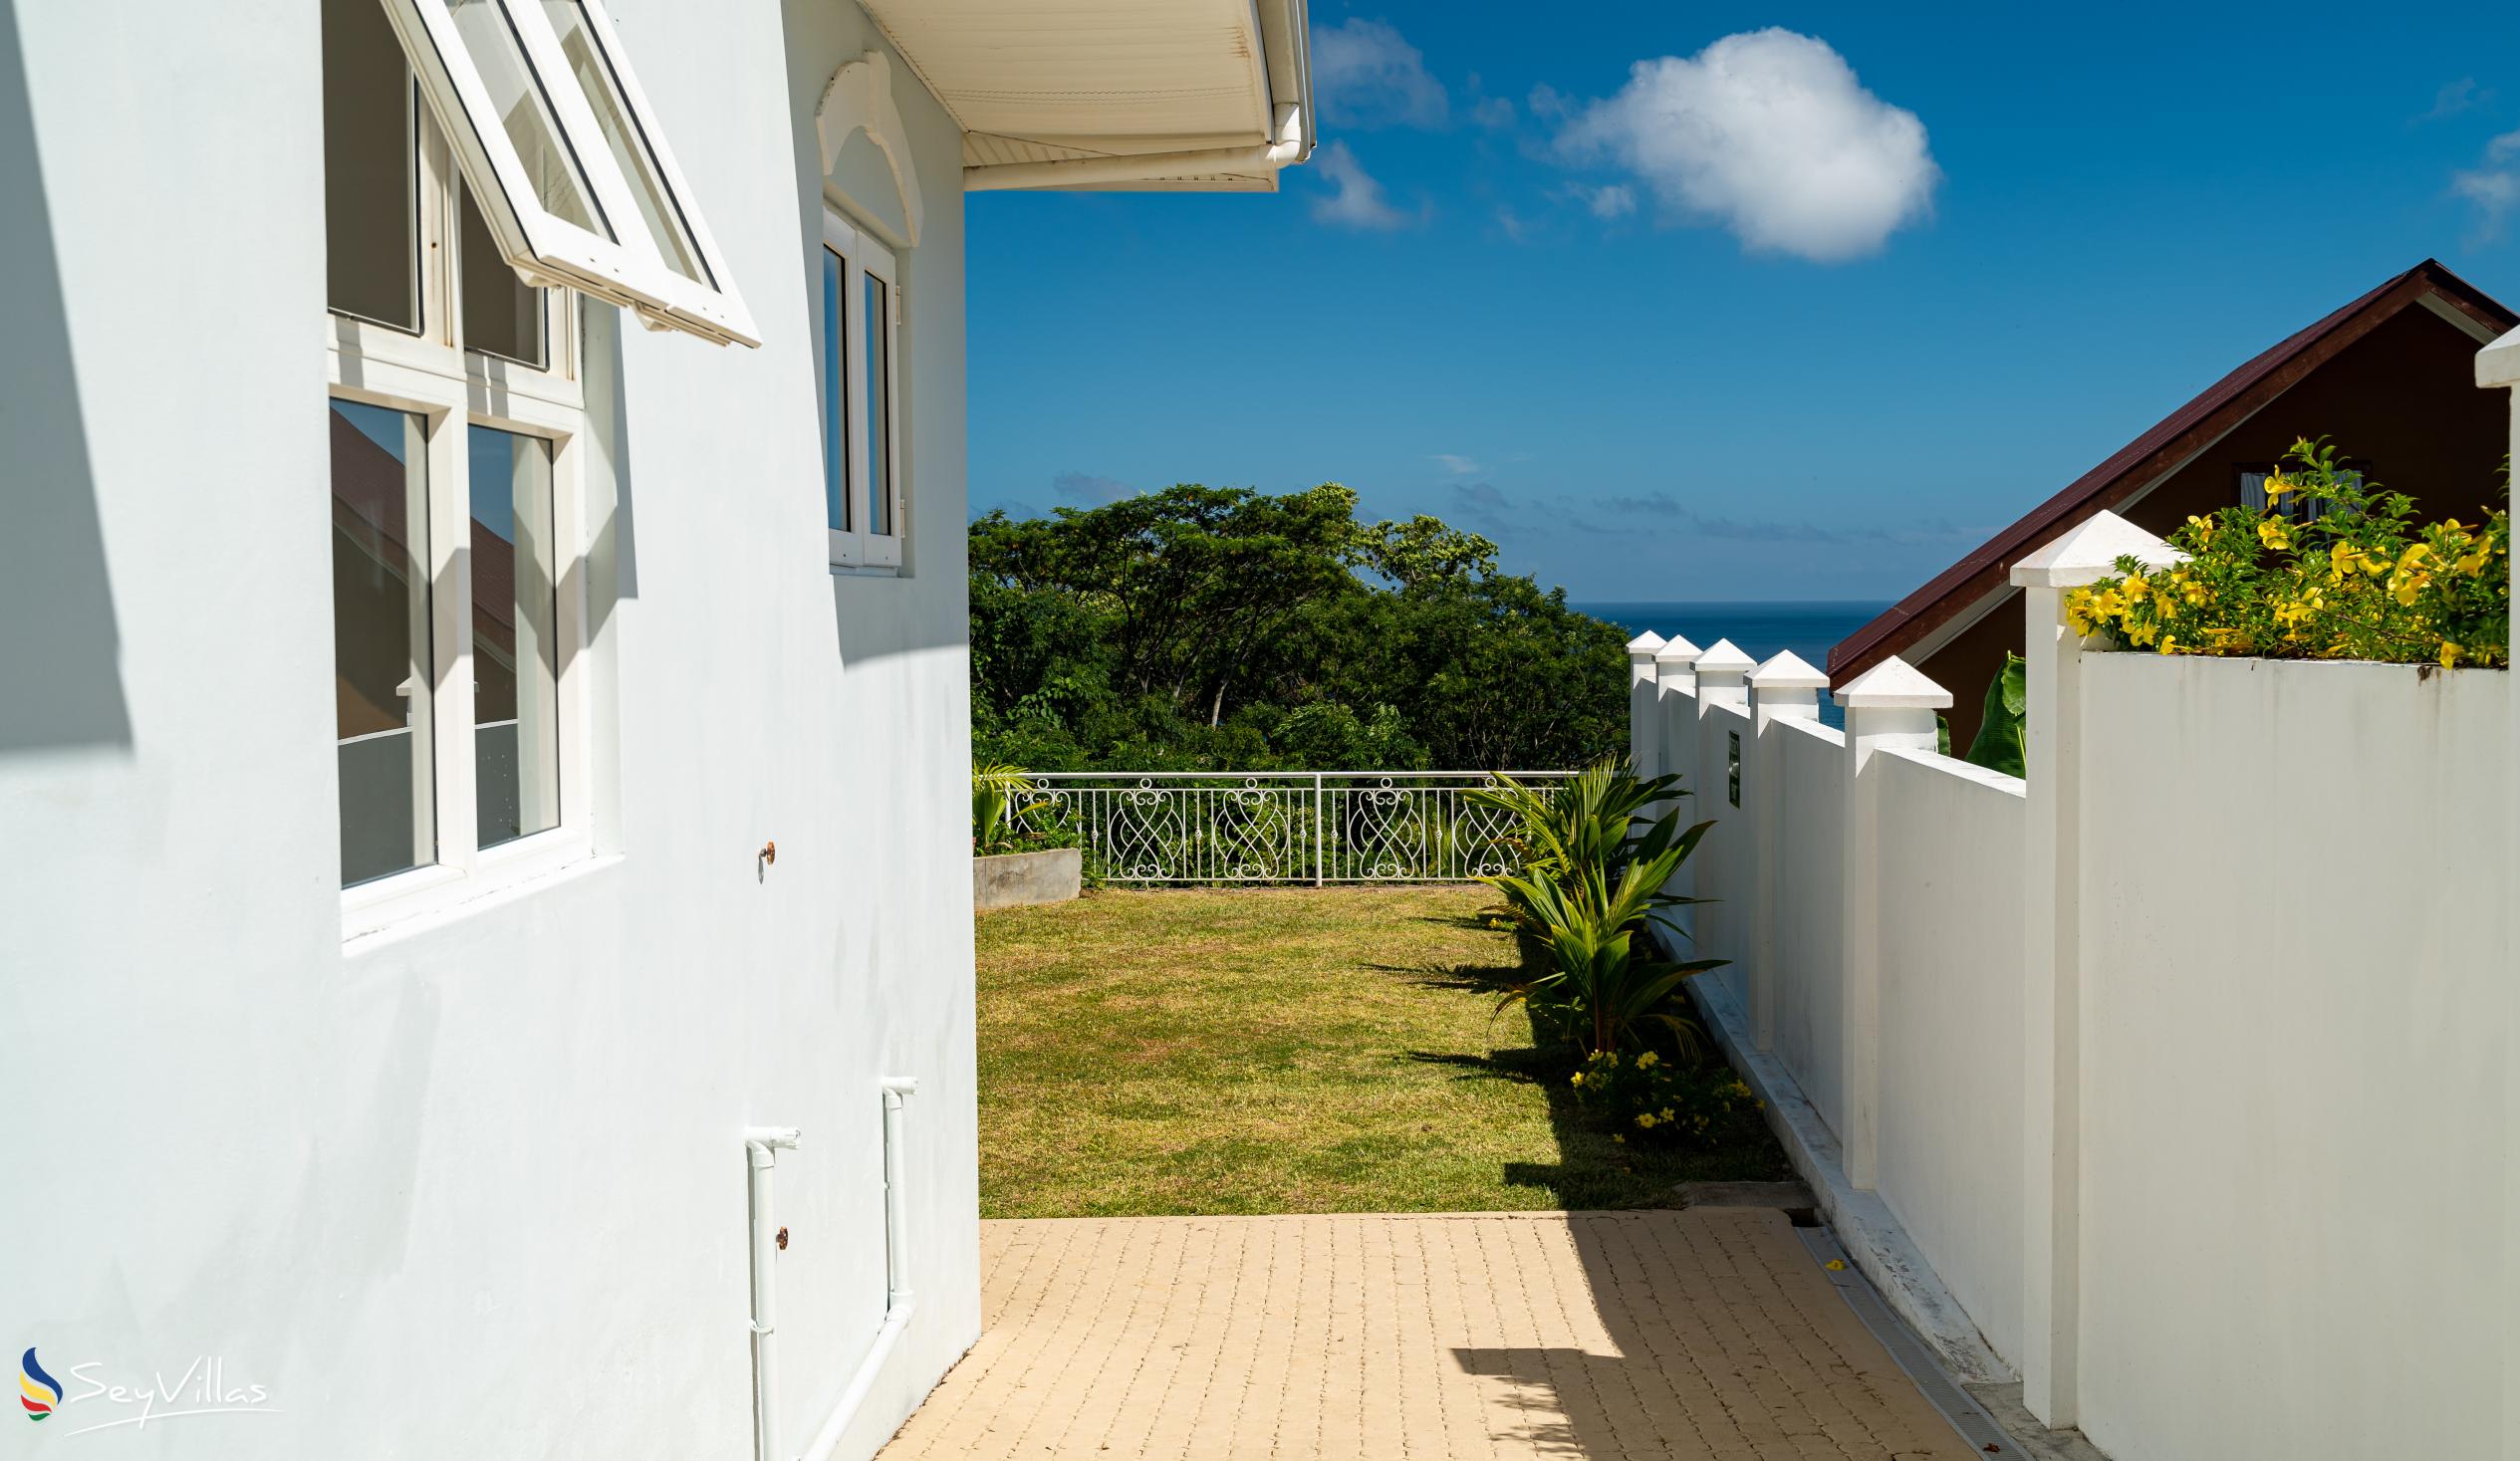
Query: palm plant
1600	818
997	806
1593	861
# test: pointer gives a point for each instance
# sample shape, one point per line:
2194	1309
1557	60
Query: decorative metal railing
1314	827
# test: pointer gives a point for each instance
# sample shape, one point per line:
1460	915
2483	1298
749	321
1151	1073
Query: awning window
571	170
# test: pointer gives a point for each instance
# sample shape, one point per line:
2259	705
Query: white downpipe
1288	149
761	1148
898	1301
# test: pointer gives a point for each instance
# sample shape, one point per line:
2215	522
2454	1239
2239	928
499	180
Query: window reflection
515	637
382	679
878	313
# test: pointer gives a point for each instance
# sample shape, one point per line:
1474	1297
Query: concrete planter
1014	880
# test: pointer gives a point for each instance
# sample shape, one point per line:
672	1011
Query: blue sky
1729	302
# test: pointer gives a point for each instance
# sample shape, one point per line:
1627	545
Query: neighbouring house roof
2160	450
1035	82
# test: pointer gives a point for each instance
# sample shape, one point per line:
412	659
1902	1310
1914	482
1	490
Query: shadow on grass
1595	1167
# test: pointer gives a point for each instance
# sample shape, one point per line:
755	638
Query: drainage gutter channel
1944	1394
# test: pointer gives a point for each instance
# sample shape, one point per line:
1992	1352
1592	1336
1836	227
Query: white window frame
862	254
625	269
451	389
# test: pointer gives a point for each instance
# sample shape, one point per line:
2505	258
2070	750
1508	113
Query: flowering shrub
1645	1095
2359	579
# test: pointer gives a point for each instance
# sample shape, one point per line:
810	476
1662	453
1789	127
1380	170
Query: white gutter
898	1301
1291	148
761	1144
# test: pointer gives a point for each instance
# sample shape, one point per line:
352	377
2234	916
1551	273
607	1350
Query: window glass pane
549	167
658	207
381	681
370	171
878	313
835	393
515	637
503	314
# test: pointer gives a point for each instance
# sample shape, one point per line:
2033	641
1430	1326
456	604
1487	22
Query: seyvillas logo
202	1387
38	1392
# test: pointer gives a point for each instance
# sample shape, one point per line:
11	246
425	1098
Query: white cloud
2454	97
2494	187
1459	466
1356	200
1770	135
1365	75
1614	202
1091	490
1493	113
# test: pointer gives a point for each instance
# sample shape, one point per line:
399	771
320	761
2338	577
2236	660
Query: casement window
456	289
570	173
859	334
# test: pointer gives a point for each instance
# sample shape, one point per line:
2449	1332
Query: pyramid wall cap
1788	672
1676	650
1893	684
1725	657
2090	552
1645	644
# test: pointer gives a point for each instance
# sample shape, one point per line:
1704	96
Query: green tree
1202	627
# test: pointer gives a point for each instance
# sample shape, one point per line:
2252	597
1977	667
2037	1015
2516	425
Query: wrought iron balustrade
1316	826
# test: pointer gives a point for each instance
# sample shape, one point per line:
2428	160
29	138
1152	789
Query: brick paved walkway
1701	1334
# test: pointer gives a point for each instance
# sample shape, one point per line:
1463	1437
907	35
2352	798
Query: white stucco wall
1951	1023
1726	861
475	1188
2294	1049
1809	987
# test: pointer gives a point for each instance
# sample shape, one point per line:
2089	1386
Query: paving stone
1706	1333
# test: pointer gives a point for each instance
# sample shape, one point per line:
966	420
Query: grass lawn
1284	1050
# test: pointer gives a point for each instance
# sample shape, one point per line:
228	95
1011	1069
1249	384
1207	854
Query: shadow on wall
60	654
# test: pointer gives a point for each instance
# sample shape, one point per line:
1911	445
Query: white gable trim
860	99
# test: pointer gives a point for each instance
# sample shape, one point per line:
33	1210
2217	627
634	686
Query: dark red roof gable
2191	426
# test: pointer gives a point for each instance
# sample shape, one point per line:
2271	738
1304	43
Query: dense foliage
2340	571
1223	629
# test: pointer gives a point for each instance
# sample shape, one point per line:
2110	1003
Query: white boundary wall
2170	1078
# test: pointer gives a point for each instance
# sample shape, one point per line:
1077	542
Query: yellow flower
2276	486
2169	642
1667	1114
1579	1078
2141	633
2449	655
2270	531
1647	1060
2136	588
1644	1121
1615	1136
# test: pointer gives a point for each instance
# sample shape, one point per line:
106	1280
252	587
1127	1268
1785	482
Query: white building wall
2295	1047
473	1187
1952	1021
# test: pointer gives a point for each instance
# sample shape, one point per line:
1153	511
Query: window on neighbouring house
860	366
2298	505
457	491
545	119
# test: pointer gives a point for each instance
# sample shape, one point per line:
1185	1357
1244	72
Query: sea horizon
1760	628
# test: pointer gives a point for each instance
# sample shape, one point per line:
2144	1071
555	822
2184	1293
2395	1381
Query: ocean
1760	629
